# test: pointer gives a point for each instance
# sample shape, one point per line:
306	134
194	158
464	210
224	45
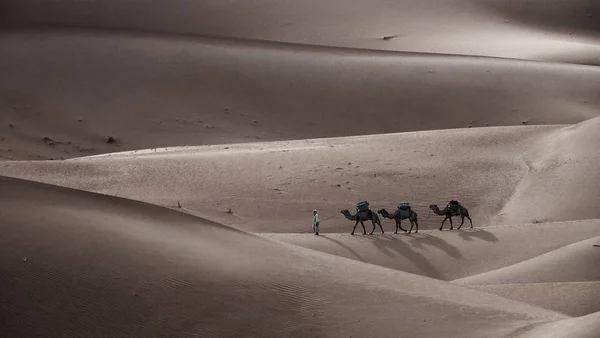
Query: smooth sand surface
582	327
531	30
94	265
577	262
572	298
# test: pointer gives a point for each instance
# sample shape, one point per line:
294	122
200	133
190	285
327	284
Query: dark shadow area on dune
354	253
420	240
388	243
469	234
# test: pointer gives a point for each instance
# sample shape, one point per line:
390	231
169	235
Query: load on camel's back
404	209
454	207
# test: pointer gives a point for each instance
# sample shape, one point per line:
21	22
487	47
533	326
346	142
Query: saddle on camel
454	207
404	209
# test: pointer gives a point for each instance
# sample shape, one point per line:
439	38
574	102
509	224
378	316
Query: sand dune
126	268
154	91
273	187
583	327
572	298
531	30
567	162
243	116
573	263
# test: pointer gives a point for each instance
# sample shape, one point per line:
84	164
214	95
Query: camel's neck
437	211
386	214
349	216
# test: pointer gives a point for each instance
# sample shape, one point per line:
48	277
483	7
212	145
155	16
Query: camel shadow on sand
388	244
479	233
352	251
410	245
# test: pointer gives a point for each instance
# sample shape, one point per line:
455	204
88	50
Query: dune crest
477	27
573	263
582	327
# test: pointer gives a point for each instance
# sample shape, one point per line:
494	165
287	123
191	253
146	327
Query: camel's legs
412	225
400	225
451	227
353	229
396	232
469	218
372	231
441	226
380	227
462	222
364	229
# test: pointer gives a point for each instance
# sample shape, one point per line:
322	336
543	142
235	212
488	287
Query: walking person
315	222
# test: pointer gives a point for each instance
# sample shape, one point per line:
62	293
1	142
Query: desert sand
160	161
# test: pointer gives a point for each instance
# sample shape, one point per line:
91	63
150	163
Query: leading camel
462	212
362	216
398	217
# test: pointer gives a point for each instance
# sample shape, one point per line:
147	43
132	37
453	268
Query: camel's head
344	211
381	211
433	207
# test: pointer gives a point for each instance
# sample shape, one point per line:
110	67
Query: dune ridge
575	299
572	263
486	27
582	327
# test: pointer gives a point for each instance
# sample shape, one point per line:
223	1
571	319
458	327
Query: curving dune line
582	327
116	267
572	298
532	30
573	263
562	165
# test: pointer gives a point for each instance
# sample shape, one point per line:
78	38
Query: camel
362	216
413	218
463	212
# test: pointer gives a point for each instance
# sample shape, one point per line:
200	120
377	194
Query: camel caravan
404	211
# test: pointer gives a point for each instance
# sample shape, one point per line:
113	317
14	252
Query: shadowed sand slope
532	29
577	262
154	91
453	255
583	327
273	187
125	268
572	298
